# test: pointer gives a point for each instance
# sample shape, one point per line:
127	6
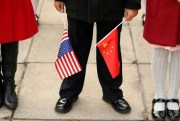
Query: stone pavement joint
140	82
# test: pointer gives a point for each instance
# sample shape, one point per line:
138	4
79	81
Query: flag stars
105	45
110	50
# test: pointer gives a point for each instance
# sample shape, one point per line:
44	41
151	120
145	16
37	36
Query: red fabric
109	50
162	25
17	20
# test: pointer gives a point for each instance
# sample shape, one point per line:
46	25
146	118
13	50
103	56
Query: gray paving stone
142	48
39	93
45	45
19	75
23	50
4	113
39	8
4	119
147	83
126	46
49	15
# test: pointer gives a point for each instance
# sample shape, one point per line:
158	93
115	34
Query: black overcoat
99	10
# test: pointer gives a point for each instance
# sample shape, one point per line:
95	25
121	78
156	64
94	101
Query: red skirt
17	20
162	25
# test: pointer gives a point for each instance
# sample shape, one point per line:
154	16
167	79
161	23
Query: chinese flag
108	47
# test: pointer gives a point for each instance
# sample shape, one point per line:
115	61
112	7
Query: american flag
67	63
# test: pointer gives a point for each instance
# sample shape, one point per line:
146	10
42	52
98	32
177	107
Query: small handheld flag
108	48
67	63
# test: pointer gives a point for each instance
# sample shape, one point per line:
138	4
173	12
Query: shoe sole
123	112
177	119
158	119
63	112
10	108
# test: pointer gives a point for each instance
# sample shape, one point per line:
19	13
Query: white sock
159	106
174	79
159	71
172	106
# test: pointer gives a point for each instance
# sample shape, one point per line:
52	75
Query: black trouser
80	34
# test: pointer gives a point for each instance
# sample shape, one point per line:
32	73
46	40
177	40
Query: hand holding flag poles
112	30
108	47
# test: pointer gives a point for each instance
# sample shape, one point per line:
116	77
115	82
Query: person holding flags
81	15
162	31
17	23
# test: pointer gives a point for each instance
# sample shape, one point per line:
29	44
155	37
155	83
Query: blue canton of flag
65	47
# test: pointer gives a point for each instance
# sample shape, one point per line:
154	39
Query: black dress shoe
173	115
64	105
120	105
158	115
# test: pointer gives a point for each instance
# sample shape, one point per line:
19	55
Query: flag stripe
63	69
59	70
75	60
68	63
65	66
73	64
65	37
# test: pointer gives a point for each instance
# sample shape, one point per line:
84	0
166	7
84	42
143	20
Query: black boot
1	91
9	65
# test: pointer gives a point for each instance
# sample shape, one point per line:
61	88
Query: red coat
162	25
17	21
